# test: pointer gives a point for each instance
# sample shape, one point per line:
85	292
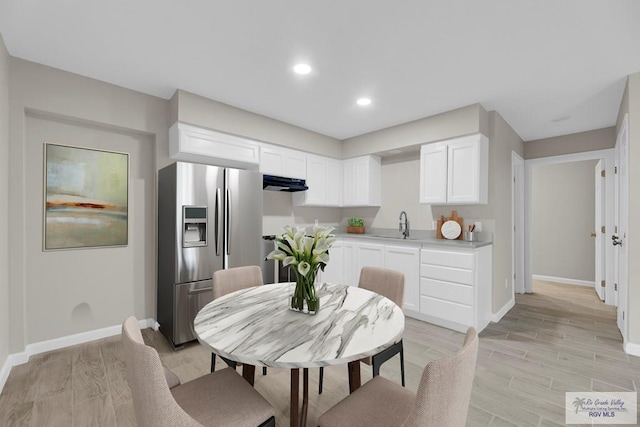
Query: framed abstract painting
86	194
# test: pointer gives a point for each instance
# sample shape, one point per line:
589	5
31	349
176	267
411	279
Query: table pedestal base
298	417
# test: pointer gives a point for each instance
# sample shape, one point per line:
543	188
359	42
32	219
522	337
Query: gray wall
59	293
4	203
563	206
599	139
199	111
462	121
496	215
631	103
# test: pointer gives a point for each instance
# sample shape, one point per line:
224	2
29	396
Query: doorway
607	161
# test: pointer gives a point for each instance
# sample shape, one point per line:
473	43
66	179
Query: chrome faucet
404	228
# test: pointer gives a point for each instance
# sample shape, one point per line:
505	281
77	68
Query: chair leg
230	363
321	378
213	362
264	370
271	422
384	355
402	362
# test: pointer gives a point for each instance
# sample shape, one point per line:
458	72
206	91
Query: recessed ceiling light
561	119
363	101
302	69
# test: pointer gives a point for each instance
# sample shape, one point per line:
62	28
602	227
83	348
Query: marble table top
256	327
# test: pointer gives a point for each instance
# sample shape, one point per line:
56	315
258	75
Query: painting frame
85	198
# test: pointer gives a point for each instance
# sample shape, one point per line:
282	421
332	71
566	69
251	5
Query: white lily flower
289	231
293	244
304	267
323	257
277	255
290	260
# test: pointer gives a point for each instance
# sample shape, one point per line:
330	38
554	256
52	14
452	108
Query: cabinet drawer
447	258
448	274
453	292
446	310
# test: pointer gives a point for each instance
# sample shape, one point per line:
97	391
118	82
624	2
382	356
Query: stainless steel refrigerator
209	218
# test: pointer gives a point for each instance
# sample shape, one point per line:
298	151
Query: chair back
443	395
153	403
383	281
234	279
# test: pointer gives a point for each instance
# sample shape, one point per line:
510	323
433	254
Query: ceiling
548	67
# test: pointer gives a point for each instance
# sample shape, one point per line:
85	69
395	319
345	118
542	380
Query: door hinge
615	169
615	286
615	229
603	229
602	173
603	283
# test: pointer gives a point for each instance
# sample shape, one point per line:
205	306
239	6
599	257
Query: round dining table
255	327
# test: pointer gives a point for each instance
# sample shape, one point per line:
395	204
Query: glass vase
304	298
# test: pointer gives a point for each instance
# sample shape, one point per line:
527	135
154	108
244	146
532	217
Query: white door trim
608	156
517	219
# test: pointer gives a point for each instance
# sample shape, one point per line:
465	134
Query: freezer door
243	218
189	298
199	203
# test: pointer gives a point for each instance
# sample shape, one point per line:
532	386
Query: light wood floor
560	338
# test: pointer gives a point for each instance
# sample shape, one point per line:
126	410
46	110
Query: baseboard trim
632	349
15	359
563	280
495	317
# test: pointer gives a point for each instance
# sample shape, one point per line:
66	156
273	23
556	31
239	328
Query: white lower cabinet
348	256
367	255
334	270
406	259
455	287
446	286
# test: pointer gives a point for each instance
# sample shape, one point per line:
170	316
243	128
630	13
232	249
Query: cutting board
454	217
459	220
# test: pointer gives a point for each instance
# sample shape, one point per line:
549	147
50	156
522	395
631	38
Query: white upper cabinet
285	162
324	178
195	144
433	173
455	171
362	181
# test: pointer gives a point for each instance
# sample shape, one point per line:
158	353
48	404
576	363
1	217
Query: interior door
597	234
620	236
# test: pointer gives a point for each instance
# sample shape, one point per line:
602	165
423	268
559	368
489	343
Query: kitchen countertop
419	237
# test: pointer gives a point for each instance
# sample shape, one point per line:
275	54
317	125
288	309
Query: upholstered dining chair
231	280
222	398
389	284
442	398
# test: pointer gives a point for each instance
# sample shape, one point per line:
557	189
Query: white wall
563	200
4	204
49	289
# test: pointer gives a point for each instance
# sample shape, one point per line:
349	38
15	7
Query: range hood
279	183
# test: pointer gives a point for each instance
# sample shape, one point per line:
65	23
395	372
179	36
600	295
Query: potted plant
355	225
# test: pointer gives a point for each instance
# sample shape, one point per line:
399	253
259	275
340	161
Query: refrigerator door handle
217	221
228	220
